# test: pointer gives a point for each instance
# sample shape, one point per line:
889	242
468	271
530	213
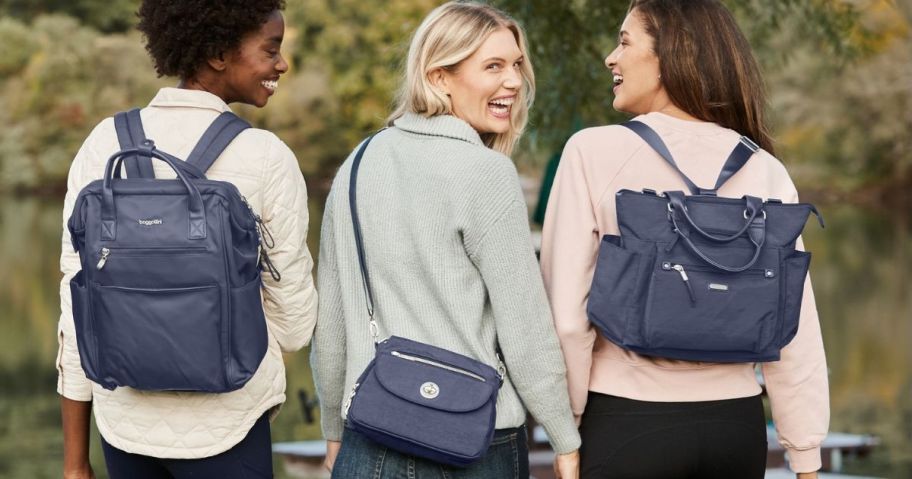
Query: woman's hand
807	475
332	450
566	466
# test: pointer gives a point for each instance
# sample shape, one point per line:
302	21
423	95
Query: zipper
765	272
348	401
107	252
668	266
436	364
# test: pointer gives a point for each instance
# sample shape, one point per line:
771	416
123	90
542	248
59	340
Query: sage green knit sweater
451	263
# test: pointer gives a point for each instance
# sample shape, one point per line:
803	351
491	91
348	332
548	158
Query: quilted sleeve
291	302
71	379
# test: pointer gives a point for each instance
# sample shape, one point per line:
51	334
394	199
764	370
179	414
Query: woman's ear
218	63
438	78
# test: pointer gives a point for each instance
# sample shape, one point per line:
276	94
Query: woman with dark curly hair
222	52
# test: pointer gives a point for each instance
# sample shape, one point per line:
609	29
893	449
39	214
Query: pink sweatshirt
596	163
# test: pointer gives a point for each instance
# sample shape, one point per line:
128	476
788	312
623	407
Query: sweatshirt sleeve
72	382
504	256
290	303
329	351
798	387
568	256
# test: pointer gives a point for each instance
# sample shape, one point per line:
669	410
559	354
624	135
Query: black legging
628	439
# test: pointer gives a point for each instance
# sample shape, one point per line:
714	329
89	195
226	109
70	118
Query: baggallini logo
151	222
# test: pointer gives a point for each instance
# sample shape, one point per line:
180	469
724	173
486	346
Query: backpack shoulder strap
738	157
216	138
130	134
653	140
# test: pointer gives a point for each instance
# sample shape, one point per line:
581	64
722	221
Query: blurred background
839	78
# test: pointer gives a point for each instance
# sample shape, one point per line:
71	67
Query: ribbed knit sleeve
328	350
505	258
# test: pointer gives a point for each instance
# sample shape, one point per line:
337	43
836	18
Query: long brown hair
706	64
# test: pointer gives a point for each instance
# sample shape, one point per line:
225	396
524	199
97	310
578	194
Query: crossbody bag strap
130	134
359	244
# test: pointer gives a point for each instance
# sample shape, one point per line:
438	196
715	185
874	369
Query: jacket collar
441	125
181	97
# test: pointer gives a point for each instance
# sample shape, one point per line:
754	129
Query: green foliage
570	40
346	56
846	125
72	79
16	46
830	67
107	16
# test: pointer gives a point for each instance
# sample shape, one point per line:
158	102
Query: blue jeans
361	458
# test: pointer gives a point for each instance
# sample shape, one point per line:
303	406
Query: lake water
861	273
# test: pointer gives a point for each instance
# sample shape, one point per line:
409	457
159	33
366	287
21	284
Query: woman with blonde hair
687	72
446	240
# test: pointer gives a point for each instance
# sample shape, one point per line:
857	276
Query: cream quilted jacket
194	425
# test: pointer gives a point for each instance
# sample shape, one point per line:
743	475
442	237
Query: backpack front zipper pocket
436	364
106	252
681	270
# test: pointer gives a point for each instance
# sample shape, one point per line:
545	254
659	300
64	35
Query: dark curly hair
181	35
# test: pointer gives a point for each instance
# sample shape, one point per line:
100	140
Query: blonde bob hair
450	34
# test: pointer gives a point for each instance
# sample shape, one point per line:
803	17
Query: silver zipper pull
105	252
690	291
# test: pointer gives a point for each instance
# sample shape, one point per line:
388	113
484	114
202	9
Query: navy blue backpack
698	277
168	298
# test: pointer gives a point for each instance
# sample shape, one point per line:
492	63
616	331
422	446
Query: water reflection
861	276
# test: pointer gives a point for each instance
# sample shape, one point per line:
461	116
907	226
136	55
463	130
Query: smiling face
251	72
635	69
484	86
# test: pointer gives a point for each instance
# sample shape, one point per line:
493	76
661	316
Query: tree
108	16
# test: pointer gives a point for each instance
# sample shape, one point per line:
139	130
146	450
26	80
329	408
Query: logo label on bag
718	287
429	390
151	222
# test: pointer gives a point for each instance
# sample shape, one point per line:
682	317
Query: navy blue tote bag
168	298
698	277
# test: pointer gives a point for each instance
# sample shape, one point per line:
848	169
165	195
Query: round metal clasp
429	390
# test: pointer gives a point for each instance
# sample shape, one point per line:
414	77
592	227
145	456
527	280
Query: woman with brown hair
686	70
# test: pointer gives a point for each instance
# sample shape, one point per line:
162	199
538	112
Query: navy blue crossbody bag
698	277
419	399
